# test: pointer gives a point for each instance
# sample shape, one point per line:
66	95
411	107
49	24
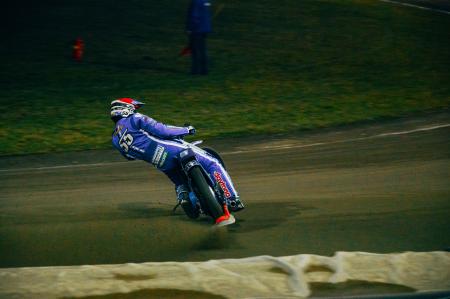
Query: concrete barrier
255	277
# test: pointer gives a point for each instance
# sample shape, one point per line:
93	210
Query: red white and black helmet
124	107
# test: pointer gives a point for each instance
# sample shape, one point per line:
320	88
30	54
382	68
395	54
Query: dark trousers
198	52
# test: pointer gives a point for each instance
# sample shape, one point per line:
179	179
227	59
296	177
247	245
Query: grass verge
276	67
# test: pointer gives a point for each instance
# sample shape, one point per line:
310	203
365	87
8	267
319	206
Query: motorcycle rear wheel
205	193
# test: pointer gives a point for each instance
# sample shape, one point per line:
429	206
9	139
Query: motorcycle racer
137	136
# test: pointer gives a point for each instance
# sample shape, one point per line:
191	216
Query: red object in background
78	49
186	51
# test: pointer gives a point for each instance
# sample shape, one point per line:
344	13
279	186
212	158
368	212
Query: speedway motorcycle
206	196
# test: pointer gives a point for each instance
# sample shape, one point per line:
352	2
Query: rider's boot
226	218
183	199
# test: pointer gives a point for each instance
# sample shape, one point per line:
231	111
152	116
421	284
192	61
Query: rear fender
215	154
188	160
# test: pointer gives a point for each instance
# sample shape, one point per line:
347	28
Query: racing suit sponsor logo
222	184
138	149
158	156
117	130
163	159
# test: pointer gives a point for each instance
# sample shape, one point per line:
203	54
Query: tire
190	211
205	193
213	153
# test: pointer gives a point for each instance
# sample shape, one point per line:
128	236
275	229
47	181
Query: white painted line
417	6
413	131
291	146
264	149
280	147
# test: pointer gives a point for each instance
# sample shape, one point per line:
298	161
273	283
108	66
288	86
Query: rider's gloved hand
191	130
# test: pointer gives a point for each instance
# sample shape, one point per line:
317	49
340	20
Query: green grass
276	66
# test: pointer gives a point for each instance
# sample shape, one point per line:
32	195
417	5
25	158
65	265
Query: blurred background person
198	25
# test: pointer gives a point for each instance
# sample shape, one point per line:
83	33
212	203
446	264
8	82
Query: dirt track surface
377	188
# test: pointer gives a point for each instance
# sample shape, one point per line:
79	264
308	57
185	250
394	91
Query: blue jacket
199	18
137	137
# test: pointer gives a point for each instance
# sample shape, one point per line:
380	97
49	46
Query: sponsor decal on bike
222	184
159	153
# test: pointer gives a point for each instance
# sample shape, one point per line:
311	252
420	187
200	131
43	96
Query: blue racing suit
141	137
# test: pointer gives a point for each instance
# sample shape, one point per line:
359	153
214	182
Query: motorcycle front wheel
205	193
